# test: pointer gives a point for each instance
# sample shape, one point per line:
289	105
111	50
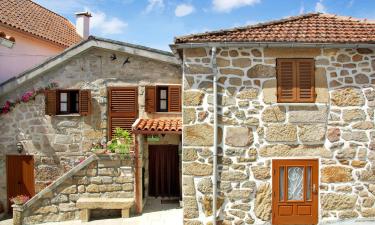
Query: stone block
235	195
321	85
190	209
281	150
189	154
189	115
347	214
263	202
281	133
231	71
274	114
269	91
312	134
334	201
197	169
359	136
234	176
308	114
188	186
350	115
261	172
261	71
291	52
333	134
239	136
193	98
195	52
368	213
198	135
194	69
348	96
241	62
205	185
336	174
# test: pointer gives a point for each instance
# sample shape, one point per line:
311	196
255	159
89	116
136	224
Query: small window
295	80
68	102
162	99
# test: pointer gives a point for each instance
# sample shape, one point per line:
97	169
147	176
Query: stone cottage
75	100
294	122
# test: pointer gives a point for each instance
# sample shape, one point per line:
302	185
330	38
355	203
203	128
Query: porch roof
158	126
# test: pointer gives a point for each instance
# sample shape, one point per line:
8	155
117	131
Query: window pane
63	97
163	94
281	184
163	104
63	107
295	183
308	177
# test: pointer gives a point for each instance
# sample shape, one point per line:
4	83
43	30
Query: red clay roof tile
158	126
32	18
308	28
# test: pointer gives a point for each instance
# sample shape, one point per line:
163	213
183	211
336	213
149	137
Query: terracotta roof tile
39	21
158	126
308	28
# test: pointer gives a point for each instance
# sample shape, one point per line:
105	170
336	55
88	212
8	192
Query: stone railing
107	176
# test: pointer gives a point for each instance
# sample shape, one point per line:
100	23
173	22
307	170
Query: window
68	102
163	98
295	80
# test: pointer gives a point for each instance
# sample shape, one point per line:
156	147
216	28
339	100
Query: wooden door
295	191
20	176
122	108
164	175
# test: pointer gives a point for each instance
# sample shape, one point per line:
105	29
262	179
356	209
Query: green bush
121	142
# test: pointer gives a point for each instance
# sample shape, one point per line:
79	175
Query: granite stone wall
106	177
58	142
254	129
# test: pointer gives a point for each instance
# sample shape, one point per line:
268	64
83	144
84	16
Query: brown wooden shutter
174	98
150	99
286	82
84	102
123	108
51	102
305	80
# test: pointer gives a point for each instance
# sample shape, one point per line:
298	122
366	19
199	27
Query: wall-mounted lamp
19	147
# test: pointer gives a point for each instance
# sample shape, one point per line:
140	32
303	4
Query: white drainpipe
214	186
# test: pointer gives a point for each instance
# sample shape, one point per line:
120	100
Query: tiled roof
32	18
307	28
158	126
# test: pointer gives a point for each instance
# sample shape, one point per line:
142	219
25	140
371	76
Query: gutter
174	47
214	171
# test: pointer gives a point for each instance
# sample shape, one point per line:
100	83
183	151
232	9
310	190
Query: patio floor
154	213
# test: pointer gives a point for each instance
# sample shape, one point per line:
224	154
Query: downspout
214	186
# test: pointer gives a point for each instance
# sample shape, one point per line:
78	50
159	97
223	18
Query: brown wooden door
122	108
164	175
20	176
295	191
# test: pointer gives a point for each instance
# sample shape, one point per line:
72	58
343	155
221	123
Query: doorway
164	175
20	176
295	191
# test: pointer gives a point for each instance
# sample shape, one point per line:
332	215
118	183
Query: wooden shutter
286	91
174	98
84	102
150	99
295	80
305	80
123	108
51	102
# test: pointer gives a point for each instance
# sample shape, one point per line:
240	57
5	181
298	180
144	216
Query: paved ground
154	214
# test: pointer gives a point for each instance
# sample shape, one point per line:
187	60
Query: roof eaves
6	86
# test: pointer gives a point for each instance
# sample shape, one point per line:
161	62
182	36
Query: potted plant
19	199
121	142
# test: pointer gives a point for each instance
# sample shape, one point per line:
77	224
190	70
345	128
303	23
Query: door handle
314	189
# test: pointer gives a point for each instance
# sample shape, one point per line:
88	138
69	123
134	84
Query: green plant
121	142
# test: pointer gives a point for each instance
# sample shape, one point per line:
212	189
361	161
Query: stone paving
154	214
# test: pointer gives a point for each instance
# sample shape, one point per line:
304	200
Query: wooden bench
86	204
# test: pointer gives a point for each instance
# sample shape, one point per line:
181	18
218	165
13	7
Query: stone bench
86	204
